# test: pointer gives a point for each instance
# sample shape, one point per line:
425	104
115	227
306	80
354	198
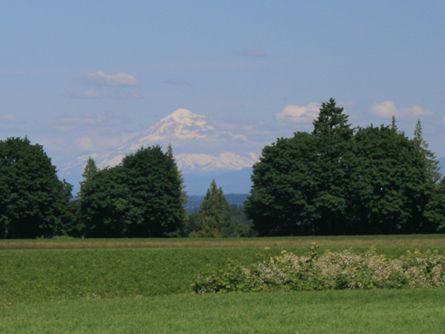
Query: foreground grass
33	275
376	311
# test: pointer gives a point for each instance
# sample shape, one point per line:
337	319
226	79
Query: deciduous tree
33	201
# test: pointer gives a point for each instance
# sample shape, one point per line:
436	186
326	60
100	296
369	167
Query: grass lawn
376	311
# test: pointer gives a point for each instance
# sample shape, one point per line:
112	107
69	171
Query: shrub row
331	270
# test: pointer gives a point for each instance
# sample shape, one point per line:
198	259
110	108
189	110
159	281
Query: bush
331	270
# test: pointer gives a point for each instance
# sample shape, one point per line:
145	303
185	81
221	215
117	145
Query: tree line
334	180
141	197
343	180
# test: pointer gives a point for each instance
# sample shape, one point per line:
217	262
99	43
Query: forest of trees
335	180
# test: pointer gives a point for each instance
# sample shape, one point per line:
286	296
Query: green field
400	311
144	285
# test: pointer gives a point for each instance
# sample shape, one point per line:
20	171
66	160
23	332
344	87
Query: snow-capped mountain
198	145
208	162
181	125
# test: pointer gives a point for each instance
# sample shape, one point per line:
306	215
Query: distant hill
231	182
194	201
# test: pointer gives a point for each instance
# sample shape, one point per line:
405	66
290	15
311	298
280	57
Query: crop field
144	286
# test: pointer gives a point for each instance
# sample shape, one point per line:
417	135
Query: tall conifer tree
431	163
214	218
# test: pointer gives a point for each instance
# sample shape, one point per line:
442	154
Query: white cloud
387	109
7	118
299	114
416	111
88	94
120	79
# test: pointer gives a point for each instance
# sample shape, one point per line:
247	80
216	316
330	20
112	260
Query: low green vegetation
371	311
328	271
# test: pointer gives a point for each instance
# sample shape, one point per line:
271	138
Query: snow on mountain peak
179	125
183	116
209	162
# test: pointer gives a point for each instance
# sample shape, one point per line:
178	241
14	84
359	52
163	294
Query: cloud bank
119	79
387	109
299	114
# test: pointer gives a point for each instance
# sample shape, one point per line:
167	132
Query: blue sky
77	76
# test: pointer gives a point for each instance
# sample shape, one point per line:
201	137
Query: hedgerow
331	270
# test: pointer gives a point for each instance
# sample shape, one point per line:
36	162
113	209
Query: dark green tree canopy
156	193
388	189
104	203
332	120
143	196
33	201
282	198
339	181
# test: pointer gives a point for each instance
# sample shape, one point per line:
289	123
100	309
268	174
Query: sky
82	76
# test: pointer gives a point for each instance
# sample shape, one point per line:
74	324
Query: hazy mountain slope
230	181
194	201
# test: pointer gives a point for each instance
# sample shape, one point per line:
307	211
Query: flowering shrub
331	270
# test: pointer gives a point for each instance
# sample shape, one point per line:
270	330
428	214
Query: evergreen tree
33	201
90	170
394	126
214	218
440	206
431	163
332	120
333	136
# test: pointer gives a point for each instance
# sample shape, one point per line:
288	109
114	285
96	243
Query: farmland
144	285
